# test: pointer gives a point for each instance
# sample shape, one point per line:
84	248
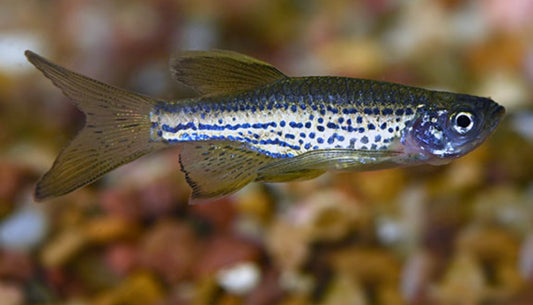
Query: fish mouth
498	112
497	115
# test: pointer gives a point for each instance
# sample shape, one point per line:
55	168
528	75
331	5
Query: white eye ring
463	122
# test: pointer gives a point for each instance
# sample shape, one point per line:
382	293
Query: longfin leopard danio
250	122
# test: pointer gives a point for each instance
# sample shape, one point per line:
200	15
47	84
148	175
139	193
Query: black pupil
463	121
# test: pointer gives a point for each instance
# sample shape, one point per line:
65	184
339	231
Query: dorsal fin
221	72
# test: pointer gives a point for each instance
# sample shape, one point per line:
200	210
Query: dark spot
387	111
349	111
289	136
295	125
332	125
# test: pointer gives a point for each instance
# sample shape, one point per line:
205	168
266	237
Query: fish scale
250	122
292	116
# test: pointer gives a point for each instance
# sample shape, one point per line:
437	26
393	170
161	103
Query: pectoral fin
218	168
315	163
221	72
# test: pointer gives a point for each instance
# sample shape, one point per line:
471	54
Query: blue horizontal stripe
186	137
178	127
201	126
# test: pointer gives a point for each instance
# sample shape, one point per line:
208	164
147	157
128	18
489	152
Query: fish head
451	127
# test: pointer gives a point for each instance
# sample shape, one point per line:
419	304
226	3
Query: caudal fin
117	130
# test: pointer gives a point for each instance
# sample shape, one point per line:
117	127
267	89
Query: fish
250	122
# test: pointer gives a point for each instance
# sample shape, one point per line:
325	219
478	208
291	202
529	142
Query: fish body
251	122
294	116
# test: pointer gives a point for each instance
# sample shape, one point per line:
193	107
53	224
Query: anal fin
218	168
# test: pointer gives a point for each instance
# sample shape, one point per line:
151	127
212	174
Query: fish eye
463	122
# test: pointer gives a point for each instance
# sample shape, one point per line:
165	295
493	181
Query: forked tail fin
117	130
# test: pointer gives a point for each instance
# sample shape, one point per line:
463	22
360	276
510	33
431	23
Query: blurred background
455	234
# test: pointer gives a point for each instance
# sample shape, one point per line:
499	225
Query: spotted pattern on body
292	117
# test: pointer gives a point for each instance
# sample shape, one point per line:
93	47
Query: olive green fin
117	130
281	174
218	168
222	72
314	163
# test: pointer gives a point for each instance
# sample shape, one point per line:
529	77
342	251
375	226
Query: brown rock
15	265
219	213
223	251
11	294
268	291
13	178
170	249
122	258
121	203
106	229
63	247
160	197
139	289
286	245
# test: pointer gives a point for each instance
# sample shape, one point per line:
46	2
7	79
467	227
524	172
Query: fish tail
117	130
